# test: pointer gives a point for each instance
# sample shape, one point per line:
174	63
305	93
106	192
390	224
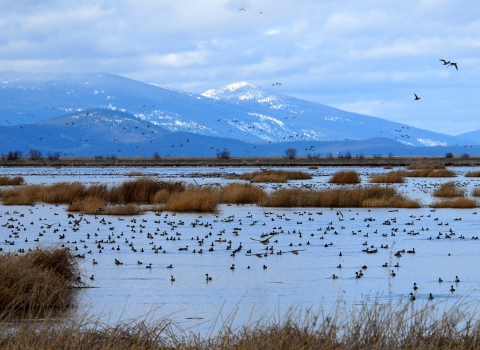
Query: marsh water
293	269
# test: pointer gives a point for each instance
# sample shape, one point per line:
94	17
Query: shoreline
79	162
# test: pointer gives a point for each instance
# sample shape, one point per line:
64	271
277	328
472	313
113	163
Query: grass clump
459	203
11	181
388	178
476	192
275	176
39	281
238	193
345	177
473	174
365	197
449	189
427	173
428	166
193	199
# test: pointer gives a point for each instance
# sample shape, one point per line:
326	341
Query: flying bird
454	64
445	63
416	97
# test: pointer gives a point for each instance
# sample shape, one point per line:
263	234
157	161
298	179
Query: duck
430	297
452	289
208	278
412	297
457	279
334	276
415	287
232	267
172	279
440	280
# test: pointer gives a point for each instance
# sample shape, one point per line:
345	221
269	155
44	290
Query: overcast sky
366	56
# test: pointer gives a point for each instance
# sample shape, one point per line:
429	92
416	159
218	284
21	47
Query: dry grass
476	192
39	281
427	173
449	189
426	166
473	174
459	203
313	167
368	326
238	193
11	181
339	198
275	176
389	178
345	177
26	195
193	200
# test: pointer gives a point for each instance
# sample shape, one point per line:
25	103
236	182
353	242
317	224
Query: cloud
347	53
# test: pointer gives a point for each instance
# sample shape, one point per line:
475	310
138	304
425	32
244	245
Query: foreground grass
39	281
368	326
11	181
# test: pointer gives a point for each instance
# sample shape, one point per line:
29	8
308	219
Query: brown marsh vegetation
345	177
426	173
426	166
458	203
476	192
388	178
449	189
361	197
38	281
368	326
473	174
275	176
11	181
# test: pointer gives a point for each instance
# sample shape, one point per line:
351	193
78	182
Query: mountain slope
239	111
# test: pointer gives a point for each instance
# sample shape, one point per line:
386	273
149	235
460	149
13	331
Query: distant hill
101	114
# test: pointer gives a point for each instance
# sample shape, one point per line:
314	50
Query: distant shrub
473	174
275	176
465	156
13	155
98	157
427	166
34	154
54	156
389	178
449	155
360	156
156	155
223	154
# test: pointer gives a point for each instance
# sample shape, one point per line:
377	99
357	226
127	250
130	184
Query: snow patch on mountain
430	143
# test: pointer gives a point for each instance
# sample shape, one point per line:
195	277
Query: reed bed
363	197
473	174
38	281
368	326
449	190
193	199
240	193
459	203
345	177
388	178
428	166
426	173
476	192
275	176
11	181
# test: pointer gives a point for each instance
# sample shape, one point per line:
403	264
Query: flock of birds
445	63
105	240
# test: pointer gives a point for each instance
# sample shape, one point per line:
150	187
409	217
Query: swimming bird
172	279
208	278
440	280
412	297
452	289
334	276
430	297
415	286
416	97
457	279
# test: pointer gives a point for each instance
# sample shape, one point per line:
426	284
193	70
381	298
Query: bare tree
291	153
34	154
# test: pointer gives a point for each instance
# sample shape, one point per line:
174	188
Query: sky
368	57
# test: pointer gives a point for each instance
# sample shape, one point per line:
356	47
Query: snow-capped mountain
84	114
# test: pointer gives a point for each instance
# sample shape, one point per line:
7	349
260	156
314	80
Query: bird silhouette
416	97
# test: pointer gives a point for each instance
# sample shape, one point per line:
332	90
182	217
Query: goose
172	279
452	289
412	297
430	297
208	278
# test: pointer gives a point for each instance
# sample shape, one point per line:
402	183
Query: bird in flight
242	9
454	64
445	63
416	97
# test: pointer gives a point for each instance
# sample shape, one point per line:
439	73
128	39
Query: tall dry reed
459	203
192	200
388	178
275	176
401	325
363	197
240	193
11	181
38	281
427	173
449	189
473	174
475	192
345	177
428	166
